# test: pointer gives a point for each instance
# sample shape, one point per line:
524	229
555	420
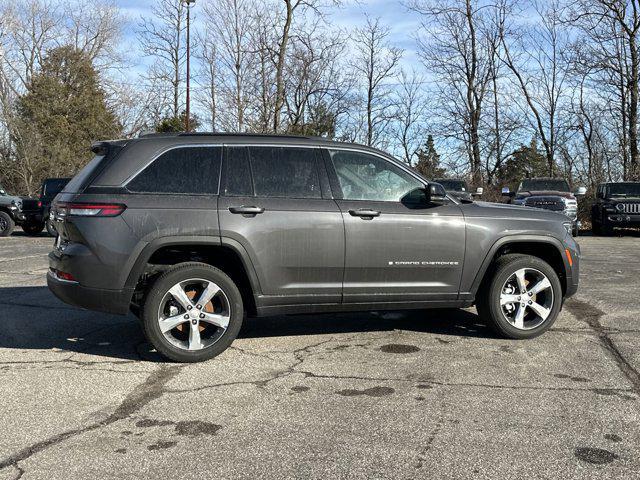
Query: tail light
39	204
63	275
90	209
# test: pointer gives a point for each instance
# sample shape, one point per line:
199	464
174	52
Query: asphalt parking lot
422	394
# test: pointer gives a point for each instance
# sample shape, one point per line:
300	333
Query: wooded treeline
492	90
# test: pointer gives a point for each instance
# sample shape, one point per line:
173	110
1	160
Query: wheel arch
227	255
548	249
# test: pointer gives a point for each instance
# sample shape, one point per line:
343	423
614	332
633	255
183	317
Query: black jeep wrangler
35	212
617	205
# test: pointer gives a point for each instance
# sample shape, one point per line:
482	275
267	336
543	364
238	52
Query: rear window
286	172
52	187
78	182
81	179
185	170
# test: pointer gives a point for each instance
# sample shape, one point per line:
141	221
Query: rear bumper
101	300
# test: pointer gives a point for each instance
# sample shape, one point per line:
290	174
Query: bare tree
291	9
410	112
534	54
453	45
376	61
161	37
228	27
609	50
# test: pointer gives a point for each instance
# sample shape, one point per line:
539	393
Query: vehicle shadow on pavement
43	234
32	318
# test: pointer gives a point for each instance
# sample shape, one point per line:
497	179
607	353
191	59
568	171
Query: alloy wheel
526	298
194	314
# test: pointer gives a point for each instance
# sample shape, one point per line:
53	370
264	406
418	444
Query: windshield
453	185
544	185
624	189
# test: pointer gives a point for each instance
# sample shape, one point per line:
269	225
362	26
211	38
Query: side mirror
581	191
436	194
479	191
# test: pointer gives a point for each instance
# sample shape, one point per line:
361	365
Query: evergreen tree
526	162
177	124
61	113
428	164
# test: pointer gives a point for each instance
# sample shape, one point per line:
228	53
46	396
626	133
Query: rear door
398	248
276	203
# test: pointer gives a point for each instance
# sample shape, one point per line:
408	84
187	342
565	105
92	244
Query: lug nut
202	315
519	298
530	302
186	316
531	294
189	307
198	307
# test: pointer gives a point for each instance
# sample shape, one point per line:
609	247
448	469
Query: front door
275	202
396	249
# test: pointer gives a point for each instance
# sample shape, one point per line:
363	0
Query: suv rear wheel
523	297
192	312
6	224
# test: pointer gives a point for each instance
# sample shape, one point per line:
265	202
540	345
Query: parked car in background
50	188
36	211
617	205
549	194
191	232
458	188
10	212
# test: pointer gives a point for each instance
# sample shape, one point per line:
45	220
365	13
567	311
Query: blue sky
350	15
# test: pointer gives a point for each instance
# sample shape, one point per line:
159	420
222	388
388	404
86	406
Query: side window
367	177
192	170
237	172
284	172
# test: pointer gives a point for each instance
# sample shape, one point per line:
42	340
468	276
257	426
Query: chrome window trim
347	148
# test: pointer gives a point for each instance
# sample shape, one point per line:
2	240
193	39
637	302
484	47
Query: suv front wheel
523	297
192	312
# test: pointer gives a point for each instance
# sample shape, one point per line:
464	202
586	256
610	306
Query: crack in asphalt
299	355
591	315
149	390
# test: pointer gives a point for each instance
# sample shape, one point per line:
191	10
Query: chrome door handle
244	210
364	213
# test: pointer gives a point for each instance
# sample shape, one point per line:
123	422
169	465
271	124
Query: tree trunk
633	172
280	66
473	102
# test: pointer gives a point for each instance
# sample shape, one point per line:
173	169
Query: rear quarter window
182	170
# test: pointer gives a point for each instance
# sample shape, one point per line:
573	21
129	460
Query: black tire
32	228
488	302
50	228
6	224
180	273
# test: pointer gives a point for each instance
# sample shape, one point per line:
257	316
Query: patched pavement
422	394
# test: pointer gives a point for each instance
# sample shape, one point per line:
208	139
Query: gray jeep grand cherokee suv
193	231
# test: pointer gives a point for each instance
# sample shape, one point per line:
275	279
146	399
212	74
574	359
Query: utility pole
188	4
